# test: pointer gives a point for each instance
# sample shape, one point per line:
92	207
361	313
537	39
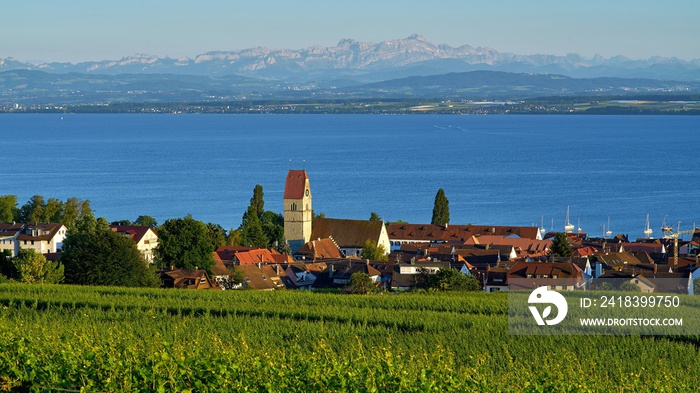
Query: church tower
297	209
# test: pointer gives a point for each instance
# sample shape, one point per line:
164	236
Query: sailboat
542	230
608	232
647	230
568	227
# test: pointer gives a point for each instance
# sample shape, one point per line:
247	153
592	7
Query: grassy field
69	338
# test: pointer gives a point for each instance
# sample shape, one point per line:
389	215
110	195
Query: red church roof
295	185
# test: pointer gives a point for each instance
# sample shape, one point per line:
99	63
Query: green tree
7	266
53	211
252	233
441	209
33	210
121	223
273	226
370	250
33	268
234	238
8	208
146	221
374	217
453	280
361	283
95	255
71	211
217	234
561	246
257	201
185	243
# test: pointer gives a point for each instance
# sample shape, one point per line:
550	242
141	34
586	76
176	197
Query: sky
84	30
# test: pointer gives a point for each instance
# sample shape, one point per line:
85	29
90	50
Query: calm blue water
501	170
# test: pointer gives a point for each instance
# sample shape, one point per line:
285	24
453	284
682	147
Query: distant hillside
364	62
504	85
35	87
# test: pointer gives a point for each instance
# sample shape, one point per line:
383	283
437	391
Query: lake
499	170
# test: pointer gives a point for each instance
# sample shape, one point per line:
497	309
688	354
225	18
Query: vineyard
104	339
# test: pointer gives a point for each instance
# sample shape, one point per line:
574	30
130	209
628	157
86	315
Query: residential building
145	238
42	237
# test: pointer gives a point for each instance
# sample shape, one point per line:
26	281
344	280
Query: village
324	254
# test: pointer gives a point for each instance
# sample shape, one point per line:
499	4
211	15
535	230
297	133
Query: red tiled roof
260	255
454	233
134	231
321	248
295	185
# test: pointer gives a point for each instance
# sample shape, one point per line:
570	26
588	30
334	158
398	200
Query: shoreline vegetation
580	105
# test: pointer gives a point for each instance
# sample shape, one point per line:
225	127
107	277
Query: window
293	207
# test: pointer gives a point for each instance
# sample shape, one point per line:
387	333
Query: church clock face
307	192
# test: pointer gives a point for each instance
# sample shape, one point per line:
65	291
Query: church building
297	209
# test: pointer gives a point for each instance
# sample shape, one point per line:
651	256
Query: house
318	249
408	276
525	248
557	275
42	237
303	275
145	238
404	233
187	279
261	277
351	235
9	232
621	261
496	280
339	272
222	274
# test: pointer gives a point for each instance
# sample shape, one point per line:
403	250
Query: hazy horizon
91	31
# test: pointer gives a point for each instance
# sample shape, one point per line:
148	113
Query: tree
252	233
361	283
273	226
146	221
257	201
33	268
370	250
7	266
217	234
441	209
33	210
453	280
561	246
53	211
374	217
95	255
185	243
8	208
121	223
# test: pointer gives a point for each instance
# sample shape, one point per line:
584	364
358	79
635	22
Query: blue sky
80	30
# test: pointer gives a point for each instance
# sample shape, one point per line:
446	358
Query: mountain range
412	67
363	62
